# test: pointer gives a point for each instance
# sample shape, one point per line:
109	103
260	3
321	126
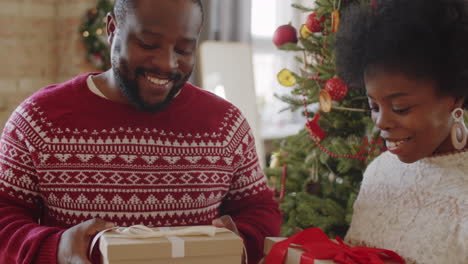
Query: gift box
294	254
312	246
175	245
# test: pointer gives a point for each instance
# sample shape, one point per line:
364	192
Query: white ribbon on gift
173	235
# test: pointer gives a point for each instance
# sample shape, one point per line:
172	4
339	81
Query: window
267	15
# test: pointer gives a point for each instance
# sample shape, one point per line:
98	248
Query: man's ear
111	27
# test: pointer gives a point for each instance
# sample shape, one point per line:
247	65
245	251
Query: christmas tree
93	34
317	173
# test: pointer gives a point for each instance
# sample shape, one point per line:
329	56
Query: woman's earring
458	133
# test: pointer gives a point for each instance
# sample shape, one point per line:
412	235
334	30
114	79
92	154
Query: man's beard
131	89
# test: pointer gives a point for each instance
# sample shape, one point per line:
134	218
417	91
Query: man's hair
121	8
424	39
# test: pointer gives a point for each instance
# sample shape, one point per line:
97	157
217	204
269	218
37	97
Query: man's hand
73	246
226	222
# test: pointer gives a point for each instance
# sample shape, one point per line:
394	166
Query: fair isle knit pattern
160	170
419	210
156	172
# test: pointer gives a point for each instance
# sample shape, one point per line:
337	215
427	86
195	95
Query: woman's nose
383	120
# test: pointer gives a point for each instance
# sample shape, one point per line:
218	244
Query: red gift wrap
317	246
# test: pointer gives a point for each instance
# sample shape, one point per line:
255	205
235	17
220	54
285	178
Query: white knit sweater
418	210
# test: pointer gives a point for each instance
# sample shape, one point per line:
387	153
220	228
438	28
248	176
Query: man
133	145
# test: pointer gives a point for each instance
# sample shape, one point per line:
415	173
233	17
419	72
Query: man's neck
106	84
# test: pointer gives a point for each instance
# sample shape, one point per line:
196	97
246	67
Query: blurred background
315	172
41	43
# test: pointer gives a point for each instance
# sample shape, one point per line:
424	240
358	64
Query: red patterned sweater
68	155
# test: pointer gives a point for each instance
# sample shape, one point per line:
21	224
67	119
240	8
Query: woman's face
414	119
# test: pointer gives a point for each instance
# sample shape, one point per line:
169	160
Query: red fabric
247	216
317	245
47	252
21	239
68	155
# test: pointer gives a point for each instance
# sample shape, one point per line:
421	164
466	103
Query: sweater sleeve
250	202
22	238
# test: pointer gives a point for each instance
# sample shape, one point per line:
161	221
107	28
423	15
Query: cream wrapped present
175	245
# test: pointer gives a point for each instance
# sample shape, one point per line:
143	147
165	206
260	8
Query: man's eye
184	52
147	46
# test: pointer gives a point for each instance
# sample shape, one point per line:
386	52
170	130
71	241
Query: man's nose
165	60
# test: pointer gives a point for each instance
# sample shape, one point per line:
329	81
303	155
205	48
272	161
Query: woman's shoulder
381	163
389	169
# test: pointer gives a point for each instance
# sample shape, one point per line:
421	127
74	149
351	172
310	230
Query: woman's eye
401	110
374	108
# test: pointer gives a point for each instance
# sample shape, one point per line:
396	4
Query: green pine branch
320	188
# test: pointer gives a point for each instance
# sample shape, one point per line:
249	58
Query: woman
412	58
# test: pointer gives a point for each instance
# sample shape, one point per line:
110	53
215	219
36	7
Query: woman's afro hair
425	39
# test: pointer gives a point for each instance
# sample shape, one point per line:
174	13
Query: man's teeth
157	81
394	144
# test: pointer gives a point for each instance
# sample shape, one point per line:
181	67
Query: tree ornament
304	31
325	101
336	88
285	34
286	78
335	20
331	176
313	188
275	160
314	128
313	24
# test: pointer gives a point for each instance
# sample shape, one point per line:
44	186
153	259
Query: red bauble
285	34
314	24
336	88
